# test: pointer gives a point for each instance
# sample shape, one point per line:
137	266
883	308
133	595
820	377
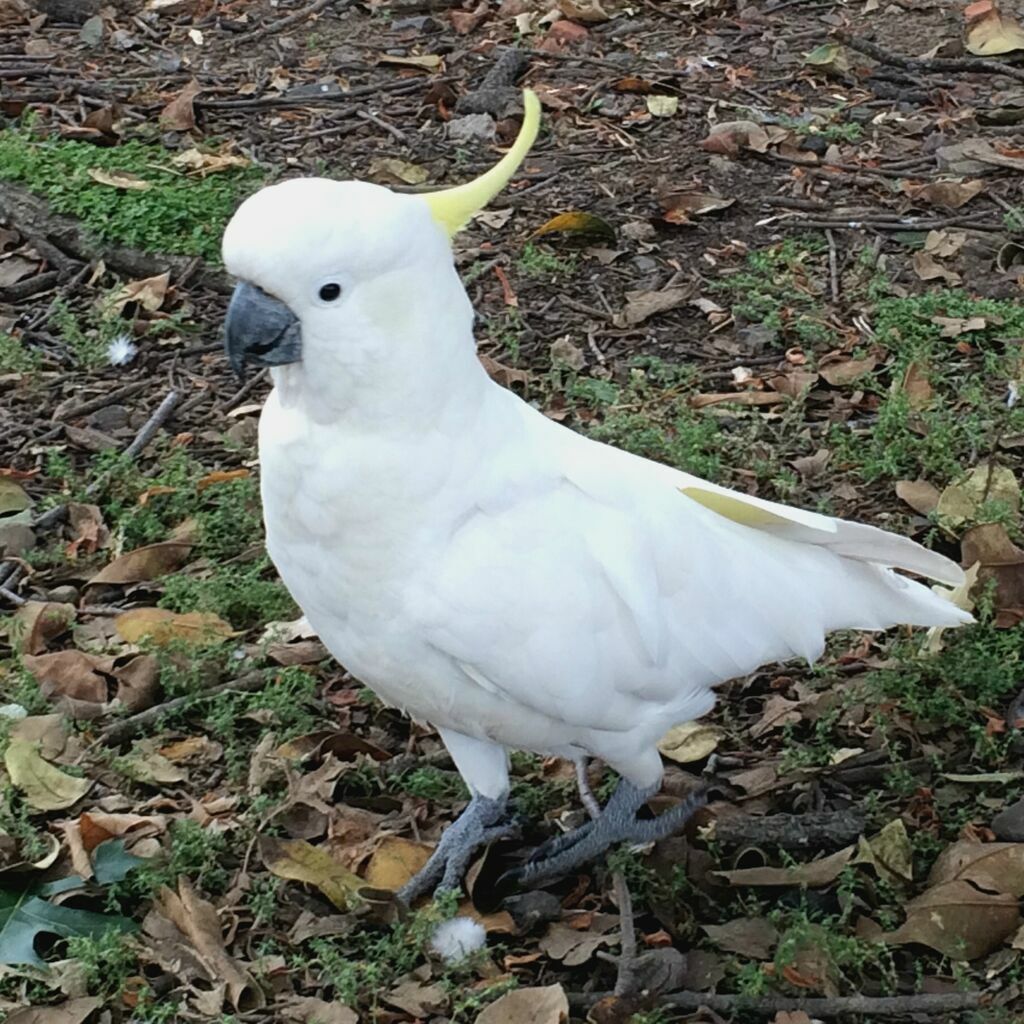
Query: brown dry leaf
548	1005
680	208
395	861
943	244
88	530
954	326
16	268
119	179
958	920
164	627
812	467
74	1011
144	564
962	501
754	937
149	293
737	398
221	476
465	22
36	623
500	922
418	999
838	369
197	922
778	711
144	763
138	682
203	164
730	137
297	860
45	786
572	946
71	673
586	225
817	872
391	170
690	741
993	33
920	495
1000	560
310	1010
917	387
589	12
948	194
504	375
997	867
179	115
928	268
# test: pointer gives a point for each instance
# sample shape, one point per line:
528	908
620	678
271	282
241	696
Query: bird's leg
478	825
616	823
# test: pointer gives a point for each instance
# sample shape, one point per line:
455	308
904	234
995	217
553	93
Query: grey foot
479	824
617	823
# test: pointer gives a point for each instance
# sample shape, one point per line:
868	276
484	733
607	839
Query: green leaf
111	863
24	917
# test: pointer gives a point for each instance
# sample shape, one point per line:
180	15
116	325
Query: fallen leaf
917	386
221	476
829	57
737	398
816	873
641	305
144	564
587	225
392	170
13	497
1001	562
993	33
962	502
395	861
949	194
753	937
74	1011
839	370
590	12
731	137
416	998
505	375
45	786
572	946
425	62
681	207
920	495
36	623
310	1010
943	244
198	928
997	867
163	627
548	1005
179	115
958	920
119	179
148	293
690	741
662	106
928	268
71	673
954	326
299	861
204	164
889	853
778	711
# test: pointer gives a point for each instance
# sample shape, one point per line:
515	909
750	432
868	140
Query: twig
977	64
129	728
101	402
399	86
12	597
861	224
869	1006
244	391
153	424
293	19
366	115
833	264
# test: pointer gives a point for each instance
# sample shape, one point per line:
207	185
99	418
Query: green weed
16	357
106	961
536	262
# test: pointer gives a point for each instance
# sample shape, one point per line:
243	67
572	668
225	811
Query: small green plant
263	898
106	961
536	262
16	356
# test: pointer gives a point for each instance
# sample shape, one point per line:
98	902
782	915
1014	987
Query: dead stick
978	64
293	19
129	728
870	1006
153	424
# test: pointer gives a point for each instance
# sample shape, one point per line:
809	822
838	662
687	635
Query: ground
791	264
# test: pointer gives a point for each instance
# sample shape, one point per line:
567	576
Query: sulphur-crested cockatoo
495	574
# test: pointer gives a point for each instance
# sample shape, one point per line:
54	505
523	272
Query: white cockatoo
493	573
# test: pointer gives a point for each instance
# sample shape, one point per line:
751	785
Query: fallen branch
869	1006
153	424
129	728
980	65
791	831
292	19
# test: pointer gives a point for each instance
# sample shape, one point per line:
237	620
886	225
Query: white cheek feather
458	938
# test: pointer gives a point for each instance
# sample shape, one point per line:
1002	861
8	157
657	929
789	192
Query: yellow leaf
662	106
299	861
577	222
221	476
45	786
162	626
691	741
394	862
964	501
119	179
428	61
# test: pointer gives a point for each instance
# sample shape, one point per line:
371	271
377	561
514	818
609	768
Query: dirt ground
779	244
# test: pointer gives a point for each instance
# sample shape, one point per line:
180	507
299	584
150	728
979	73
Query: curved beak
260	329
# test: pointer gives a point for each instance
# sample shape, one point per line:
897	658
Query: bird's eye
329	292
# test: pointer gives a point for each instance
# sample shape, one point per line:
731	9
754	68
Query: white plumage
493	573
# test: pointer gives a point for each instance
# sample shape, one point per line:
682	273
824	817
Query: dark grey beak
260	329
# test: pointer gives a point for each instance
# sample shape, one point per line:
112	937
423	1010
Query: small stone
532	909
470	128
422	23
16	539
109	418
64	594
91	33
1008	825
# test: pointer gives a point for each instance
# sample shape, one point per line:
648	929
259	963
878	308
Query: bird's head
335	276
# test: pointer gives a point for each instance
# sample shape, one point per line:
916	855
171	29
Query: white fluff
456	939
121	350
